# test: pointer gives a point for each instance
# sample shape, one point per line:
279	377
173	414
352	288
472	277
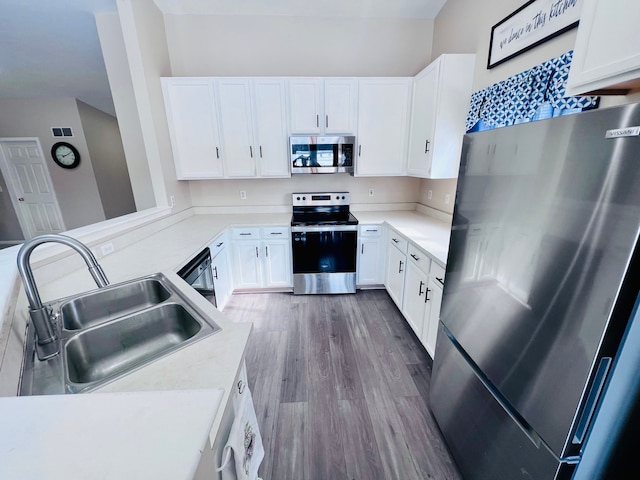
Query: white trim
13	188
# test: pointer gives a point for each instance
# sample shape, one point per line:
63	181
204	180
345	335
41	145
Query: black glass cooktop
323	218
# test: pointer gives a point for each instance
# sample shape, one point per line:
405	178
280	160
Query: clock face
65	155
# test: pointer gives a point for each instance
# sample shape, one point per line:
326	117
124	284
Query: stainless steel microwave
322	154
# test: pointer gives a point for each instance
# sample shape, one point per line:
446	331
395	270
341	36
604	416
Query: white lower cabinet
221	269
396	266
415	289
432	316
370	255
262	257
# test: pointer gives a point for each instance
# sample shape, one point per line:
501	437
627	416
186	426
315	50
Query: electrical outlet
429	194
107	248
243	194
172	201
447	199
371	192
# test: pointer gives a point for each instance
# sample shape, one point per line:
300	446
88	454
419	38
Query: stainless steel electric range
324	243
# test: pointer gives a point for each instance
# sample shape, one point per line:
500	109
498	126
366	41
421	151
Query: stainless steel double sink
112	331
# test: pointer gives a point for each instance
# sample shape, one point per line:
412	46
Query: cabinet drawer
398	241
245	233
419	258
370	230
437	273
218	244
275	232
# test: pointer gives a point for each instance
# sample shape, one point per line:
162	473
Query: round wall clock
65	155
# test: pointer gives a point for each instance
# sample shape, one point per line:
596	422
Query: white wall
277	192
287	45
76	189
148	58
103	139
115	59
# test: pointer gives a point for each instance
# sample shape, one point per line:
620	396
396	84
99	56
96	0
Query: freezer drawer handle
592	399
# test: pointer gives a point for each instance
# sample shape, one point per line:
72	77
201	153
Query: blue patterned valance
531	95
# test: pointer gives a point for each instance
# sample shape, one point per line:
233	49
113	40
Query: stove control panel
319	199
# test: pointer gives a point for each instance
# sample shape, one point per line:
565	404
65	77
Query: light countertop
210	364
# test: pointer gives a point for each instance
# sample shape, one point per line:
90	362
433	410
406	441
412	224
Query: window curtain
530	95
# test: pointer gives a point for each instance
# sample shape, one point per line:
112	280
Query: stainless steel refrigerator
542	278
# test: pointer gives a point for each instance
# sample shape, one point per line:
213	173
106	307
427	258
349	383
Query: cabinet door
383	116
222	278
247	264
193	127
305	96
396	266
234	106
432	317
340	110
423	115
271	145
370	261
415	293
278	270
606	52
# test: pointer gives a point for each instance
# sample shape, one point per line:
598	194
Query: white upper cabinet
234	108
193	127
253	123
606	55
270	127
236	123
440	105
383	121
322	106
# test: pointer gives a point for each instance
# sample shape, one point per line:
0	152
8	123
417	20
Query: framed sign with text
531	25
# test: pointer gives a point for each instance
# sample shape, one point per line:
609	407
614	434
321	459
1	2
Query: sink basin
108	333
112	302
110	349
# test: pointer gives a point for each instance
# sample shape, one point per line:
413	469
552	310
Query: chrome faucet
41	316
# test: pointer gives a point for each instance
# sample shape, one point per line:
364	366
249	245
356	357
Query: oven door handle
325	228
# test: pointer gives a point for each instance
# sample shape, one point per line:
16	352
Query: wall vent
61	131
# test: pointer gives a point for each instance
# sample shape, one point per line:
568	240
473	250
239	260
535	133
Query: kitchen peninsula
164	245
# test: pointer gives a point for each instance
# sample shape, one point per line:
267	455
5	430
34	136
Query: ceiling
50	48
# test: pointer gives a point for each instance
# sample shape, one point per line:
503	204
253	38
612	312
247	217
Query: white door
423	116
277	263
304	98
340	106
32	191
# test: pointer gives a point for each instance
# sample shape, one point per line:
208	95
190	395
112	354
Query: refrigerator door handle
592	400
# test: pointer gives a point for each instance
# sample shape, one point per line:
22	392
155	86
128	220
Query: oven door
324	259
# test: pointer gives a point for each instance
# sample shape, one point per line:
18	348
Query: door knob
21	199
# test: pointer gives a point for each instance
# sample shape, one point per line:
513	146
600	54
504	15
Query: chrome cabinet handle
359	150
395	240
256	252
260	151
441	280
414	257
217	153
400	267
426	146
426	297
241	387
245	233
275	233
215	272
317	120
326	121
420	292
362	249
219	245
266	249
251	151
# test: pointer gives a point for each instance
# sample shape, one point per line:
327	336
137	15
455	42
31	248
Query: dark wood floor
341	387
